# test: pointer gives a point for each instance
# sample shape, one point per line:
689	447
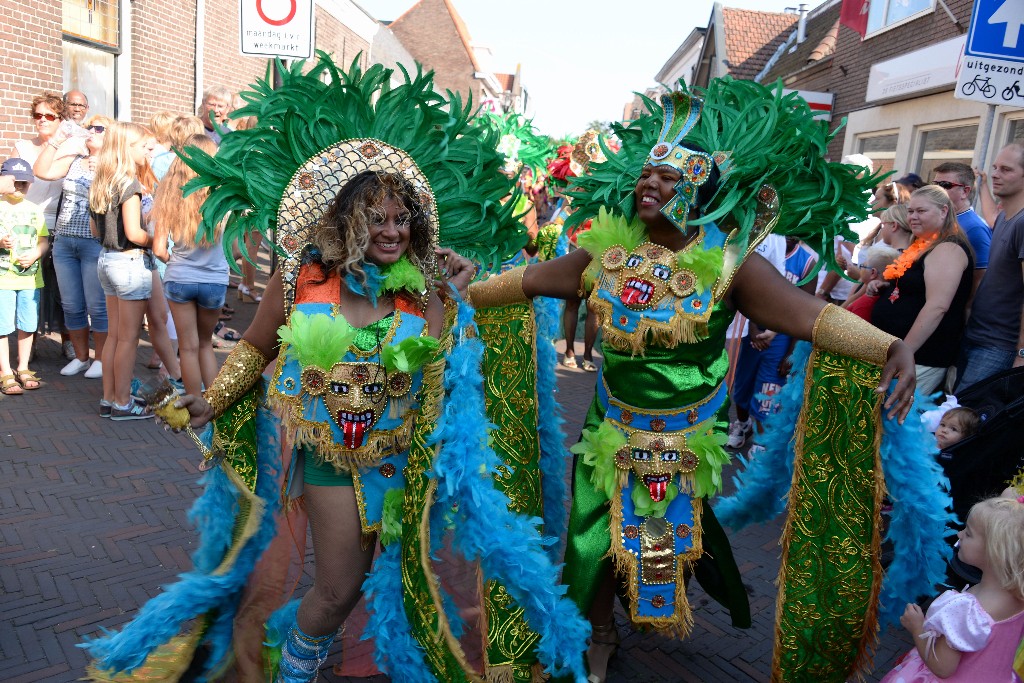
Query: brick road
92	521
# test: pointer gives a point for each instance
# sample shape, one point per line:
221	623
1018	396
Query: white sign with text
276	28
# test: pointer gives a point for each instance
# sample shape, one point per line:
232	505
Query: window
93	21
881	149
885	13
1016	132
946	144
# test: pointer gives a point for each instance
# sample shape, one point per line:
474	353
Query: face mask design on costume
356	395
647	275
656	460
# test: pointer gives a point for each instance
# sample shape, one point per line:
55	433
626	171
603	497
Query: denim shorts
126	274
204	295
19	308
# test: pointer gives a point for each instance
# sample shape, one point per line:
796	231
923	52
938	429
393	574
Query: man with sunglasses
958	181
76	105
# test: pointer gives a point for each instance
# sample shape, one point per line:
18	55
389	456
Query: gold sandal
28	380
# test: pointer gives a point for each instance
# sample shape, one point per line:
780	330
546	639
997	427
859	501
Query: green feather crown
518	141
770	138
314	110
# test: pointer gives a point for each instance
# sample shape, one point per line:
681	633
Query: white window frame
861	137
917	152
901	22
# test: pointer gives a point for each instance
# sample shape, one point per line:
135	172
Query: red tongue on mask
657	489
631	296
353	433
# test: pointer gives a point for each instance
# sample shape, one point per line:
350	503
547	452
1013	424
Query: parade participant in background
666	263
377	383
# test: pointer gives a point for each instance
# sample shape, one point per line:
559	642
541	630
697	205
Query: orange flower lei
894	270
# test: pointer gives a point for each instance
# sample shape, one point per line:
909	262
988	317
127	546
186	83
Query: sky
581	61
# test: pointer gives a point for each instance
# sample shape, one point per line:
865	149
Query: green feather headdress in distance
769	139
260	177
518	140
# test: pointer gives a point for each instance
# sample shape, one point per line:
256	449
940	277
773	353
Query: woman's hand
899	366
876	286
200	411
457	270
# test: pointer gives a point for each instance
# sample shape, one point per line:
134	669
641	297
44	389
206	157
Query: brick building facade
136	57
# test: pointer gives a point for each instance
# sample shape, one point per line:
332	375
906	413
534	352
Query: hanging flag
854	15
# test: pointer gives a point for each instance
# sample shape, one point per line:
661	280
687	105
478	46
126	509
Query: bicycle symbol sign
992	66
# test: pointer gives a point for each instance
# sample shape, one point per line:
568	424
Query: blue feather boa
374	282
509	547
553	454
919	522
198	592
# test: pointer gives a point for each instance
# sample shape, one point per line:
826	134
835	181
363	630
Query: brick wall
340	41
163	57
30	63
854	57
429	33
223	63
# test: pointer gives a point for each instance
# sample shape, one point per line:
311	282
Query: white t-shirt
773	249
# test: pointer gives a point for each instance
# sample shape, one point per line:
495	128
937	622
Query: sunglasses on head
946	185
96	129
39	116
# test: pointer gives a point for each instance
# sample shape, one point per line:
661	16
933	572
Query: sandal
245	293
9	386
28	379
569	361
588	365
226	333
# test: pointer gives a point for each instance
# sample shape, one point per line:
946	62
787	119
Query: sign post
992	68
276	28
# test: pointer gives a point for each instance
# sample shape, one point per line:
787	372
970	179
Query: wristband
240	372
839	331
500	290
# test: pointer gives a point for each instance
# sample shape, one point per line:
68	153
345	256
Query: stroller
981	465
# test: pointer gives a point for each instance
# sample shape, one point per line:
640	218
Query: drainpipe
200	42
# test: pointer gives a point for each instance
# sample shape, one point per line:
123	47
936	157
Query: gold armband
500	290
239	373
839	331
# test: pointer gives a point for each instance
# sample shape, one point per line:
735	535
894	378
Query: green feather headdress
324	125
764	138
518	141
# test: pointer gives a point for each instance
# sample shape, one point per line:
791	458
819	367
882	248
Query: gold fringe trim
680	624
500	674
250	515
681	329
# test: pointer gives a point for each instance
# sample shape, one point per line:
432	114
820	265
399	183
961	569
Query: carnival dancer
667	262
377	385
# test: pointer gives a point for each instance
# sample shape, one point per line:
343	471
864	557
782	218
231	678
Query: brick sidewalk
92	519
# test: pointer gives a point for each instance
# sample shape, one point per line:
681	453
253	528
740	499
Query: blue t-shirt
978	234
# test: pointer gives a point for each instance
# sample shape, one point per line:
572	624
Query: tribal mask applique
656	459
647	274
356	395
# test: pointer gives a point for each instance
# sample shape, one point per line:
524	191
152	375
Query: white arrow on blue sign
995	30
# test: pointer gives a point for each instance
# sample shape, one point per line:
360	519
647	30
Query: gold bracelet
500	290
839	331
239	373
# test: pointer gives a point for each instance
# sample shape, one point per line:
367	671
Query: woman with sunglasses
75	250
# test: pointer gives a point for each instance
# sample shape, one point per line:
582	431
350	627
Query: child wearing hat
23	241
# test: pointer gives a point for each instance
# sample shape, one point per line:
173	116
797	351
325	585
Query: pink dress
988	646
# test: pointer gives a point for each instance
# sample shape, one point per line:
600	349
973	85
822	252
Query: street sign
276	28
992	67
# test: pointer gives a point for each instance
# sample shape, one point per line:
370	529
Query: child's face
949	432
867	274
972	545
6	184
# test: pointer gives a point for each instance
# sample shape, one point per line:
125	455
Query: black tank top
897	317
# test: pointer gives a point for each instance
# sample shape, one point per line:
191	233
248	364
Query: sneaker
74	367
739	432
69	350
95	370
136	410
178	385
136	389
105	408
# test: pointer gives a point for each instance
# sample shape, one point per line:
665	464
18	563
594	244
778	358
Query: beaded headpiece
682	111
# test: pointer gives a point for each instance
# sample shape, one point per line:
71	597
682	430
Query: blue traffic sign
997	30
